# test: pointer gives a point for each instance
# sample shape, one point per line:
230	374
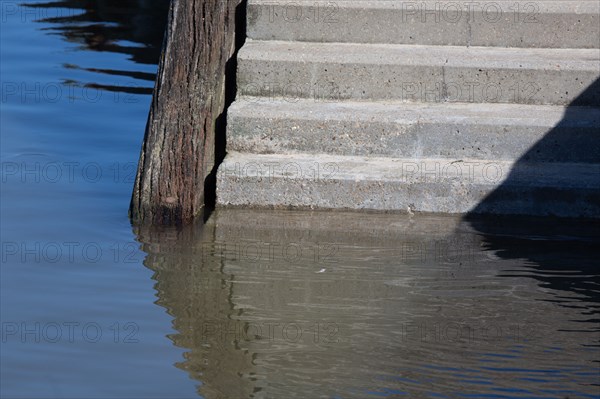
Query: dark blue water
69	150
254	304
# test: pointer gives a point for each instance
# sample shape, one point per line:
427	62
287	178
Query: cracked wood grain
178	152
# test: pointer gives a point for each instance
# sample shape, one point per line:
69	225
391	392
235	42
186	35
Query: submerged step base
409	185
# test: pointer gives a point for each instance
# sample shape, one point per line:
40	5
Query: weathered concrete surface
408	185
418	73
388	111
393	129
547	24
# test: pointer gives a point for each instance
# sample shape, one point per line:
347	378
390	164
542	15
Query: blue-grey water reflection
339	305
254	304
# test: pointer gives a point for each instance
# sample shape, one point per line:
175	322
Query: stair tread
412	54
396	129
411	170
343	71
421	185
507	23
543	6
410	112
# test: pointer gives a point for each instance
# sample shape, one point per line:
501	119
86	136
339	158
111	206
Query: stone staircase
429	106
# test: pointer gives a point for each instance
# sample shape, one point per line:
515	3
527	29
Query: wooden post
178	152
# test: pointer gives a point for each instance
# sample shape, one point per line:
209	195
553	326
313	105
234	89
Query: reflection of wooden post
192	286
178	151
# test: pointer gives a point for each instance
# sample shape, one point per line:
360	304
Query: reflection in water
131	27
196	292
283	305
562	257
298	304
560	254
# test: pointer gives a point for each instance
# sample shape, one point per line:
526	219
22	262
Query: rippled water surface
256	303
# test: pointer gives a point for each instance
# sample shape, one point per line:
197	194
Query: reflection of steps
397	105
376	277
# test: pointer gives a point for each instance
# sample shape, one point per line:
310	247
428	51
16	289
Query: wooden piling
178	153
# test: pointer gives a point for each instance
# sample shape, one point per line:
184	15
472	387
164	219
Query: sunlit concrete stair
366	72
505	23
400	106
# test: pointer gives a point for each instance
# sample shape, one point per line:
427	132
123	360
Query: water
256	303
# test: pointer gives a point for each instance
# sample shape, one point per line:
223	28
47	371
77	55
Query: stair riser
436	197
409	139
414	83
503	24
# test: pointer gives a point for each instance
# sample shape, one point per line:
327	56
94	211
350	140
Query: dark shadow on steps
562	247
210	183
575	141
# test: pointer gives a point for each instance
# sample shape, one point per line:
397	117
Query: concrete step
419	73
401	130
548	24
402	184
